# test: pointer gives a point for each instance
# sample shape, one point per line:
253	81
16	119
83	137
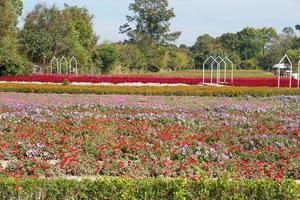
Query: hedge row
149	90
155	188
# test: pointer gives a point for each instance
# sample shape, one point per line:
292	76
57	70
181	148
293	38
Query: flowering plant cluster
137	136
149	90
114	79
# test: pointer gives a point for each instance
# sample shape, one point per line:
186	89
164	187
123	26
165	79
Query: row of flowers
55	135
250	82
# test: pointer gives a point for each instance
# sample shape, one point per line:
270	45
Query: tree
151	21
267	36
204	47
131	58
289	31
250	44
179	59
49	31
297	27
11	62
235	58
105	56
229	41
17	6
294	55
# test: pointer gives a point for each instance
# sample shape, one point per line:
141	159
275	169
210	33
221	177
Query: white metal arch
291	68
63	59
219	69
73	59
231	63
203	71
212	70
54	59
298	76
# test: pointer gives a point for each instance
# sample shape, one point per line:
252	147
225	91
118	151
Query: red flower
18	187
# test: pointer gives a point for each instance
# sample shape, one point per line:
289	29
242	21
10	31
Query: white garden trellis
291	70
73	59
219	60
61	61
64	66
53	60
211	67
298	76
232	70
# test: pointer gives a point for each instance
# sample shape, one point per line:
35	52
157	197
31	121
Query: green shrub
152	188
66	82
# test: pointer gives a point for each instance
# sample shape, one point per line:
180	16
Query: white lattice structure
218	61
214	61
298	76
279	68
232	69
73	59
53	61
61	61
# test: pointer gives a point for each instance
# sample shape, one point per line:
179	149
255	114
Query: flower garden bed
249	82
136	136
148	90
166	147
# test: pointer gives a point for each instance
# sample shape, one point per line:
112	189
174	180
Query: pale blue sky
194	17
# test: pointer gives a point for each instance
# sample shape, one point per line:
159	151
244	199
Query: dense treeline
250	48
51	31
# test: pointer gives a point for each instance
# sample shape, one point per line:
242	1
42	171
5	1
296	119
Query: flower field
49	135
238	81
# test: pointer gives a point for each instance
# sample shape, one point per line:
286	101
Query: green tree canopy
11	62
49	31
151	20
205	46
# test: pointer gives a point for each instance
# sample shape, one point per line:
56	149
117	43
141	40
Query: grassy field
237	73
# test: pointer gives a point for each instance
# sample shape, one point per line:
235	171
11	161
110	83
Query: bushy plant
66	82
159	188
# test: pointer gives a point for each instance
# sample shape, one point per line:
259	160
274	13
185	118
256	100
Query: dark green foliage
249	64
66	82
204	47
131	58
105	56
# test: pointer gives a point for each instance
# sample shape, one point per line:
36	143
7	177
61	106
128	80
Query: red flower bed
268	82
250	82
104	79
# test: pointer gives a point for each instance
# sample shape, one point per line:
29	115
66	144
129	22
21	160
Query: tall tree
151	21
289	31
205	46
49	31
11	62
229	41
